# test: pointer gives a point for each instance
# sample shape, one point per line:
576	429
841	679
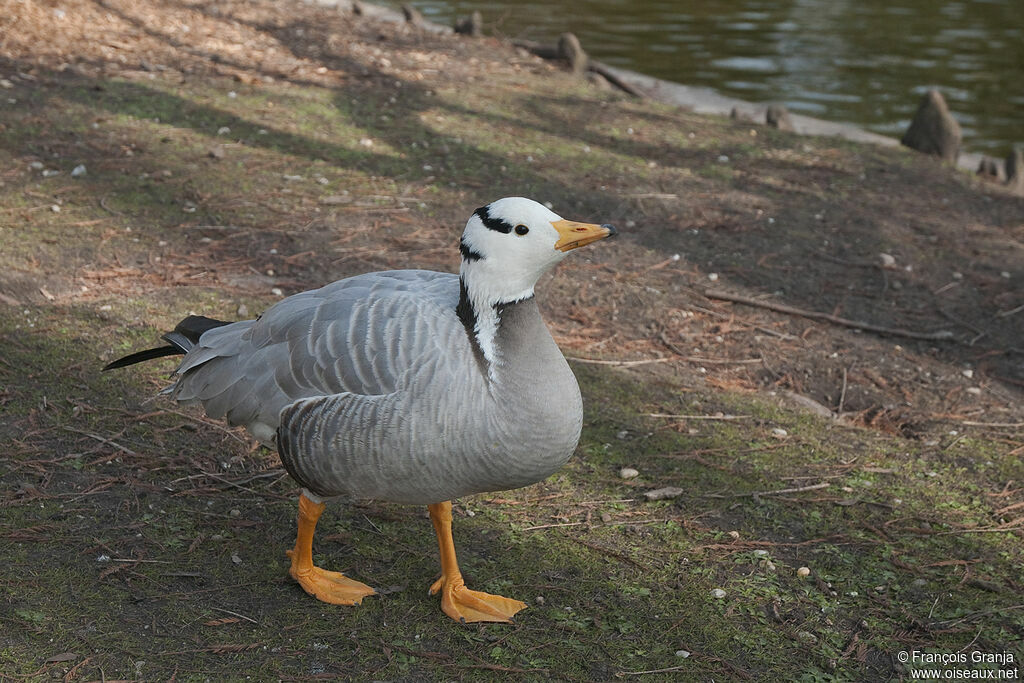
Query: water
865	62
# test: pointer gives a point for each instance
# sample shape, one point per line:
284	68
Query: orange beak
572	234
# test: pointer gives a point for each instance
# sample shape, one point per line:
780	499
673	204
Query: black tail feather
183	337
140	356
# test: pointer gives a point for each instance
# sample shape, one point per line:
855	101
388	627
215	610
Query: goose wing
361	336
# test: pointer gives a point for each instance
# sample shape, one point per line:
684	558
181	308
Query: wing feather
360	336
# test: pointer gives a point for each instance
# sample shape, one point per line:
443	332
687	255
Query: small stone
713	277
934	130
78	171
628	473
779	433
539	599
888	260
49	173
605	517
761	552
806	637
6	84
235	558
769	565
55	208
803	572
243	310
36	166
974	391
661	494
223	130
276	291
717	593
734	535
235	512
777	116
682	654
968	373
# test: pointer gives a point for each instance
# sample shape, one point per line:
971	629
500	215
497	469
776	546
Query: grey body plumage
372	389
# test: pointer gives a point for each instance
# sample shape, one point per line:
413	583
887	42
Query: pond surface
864	62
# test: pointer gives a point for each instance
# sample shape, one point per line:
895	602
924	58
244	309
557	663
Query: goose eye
521	229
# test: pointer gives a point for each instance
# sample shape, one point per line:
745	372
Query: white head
510	243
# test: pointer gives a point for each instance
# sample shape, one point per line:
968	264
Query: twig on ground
671	416
941	335
1008	425
724	316
551	526
842	394
619	363
116	445
777	492
235	614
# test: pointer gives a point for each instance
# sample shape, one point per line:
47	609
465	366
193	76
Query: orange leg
332	587
457	601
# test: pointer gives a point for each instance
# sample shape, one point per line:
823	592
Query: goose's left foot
467	606
457	601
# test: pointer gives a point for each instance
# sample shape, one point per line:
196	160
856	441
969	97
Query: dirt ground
869	300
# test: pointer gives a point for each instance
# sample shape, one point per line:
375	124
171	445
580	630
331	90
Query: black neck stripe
484	214
468	252
467	314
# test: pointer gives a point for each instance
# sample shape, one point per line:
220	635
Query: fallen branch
605	72
941	335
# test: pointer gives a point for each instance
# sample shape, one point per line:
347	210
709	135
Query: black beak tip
612	232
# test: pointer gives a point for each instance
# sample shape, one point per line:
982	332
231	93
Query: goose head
508	244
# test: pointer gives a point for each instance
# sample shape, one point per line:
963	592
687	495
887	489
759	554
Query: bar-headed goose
408	386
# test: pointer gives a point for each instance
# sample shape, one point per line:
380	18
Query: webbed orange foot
331	587
468	606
